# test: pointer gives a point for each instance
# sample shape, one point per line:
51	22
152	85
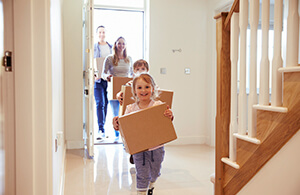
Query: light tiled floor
185	171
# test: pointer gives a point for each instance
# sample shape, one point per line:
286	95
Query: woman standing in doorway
119	64
101	49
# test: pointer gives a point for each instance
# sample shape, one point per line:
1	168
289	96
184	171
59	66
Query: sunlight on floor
186	170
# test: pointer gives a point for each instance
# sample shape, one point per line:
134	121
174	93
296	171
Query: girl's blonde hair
115	53
148	79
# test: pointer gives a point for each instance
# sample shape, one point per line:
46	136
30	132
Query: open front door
7	100
88	75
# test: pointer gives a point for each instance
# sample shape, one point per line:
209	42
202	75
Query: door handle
7	61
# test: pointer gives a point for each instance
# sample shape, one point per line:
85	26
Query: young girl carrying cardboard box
147	163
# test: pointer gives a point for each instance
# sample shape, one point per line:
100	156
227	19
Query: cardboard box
115	85
164	96
99	66
146	129
127	99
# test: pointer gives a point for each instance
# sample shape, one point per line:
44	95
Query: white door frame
33	97
89	77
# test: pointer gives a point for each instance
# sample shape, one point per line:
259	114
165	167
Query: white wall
73	79
281	175
189	25
57	94
176	24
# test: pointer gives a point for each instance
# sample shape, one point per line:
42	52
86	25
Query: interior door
89	75
2	149
7	100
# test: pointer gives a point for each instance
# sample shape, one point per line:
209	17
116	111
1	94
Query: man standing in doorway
101	50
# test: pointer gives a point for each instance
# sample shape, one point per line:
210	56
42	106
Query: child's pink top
134	107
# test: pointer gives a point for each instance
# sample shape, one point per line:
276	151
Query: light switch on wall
163	71
187	71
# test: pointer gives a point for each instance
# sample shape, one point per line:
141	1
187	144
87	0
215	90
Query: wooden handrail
223	94
223	99
234	8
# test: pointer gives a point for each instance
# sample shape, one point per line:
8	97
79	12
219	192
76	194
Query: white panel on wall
171	28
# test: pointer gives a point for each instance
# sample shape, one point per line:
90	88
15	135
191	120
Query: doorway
128	23
2	148
7	101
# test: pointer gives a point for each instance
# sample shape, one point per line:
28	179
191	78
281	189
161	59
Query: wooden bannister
223	93
223	99
275	126
234	8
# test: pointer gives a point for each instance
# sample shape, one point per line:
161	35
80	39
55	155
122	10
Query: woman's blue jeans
115	111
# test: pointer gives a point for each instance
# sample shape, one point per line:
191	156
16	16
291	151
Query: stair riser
266	122
291	89
244	151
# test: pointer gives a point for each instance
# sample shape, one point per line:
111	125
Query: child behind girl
139	66
148	163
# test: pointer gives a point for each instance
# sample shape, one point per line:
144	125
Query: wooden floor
185	171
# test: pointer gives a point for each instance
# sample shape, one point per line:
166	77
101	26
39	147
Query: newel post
223	99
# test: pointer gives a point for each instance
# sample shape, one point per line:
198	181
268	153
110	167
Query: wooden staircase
274	127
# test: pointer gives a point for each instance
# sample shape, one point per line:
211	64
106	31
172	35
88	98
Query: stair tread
290	69
230	162
271	108
247	138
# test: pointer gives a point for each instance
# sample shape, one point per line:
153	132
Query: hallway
185	170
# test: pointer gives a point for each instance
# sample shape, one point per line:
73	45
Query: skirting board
189	140
75	144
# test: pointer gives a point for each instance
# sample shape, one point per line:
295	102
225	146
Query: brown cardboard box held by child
164	96
146	129
115	86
